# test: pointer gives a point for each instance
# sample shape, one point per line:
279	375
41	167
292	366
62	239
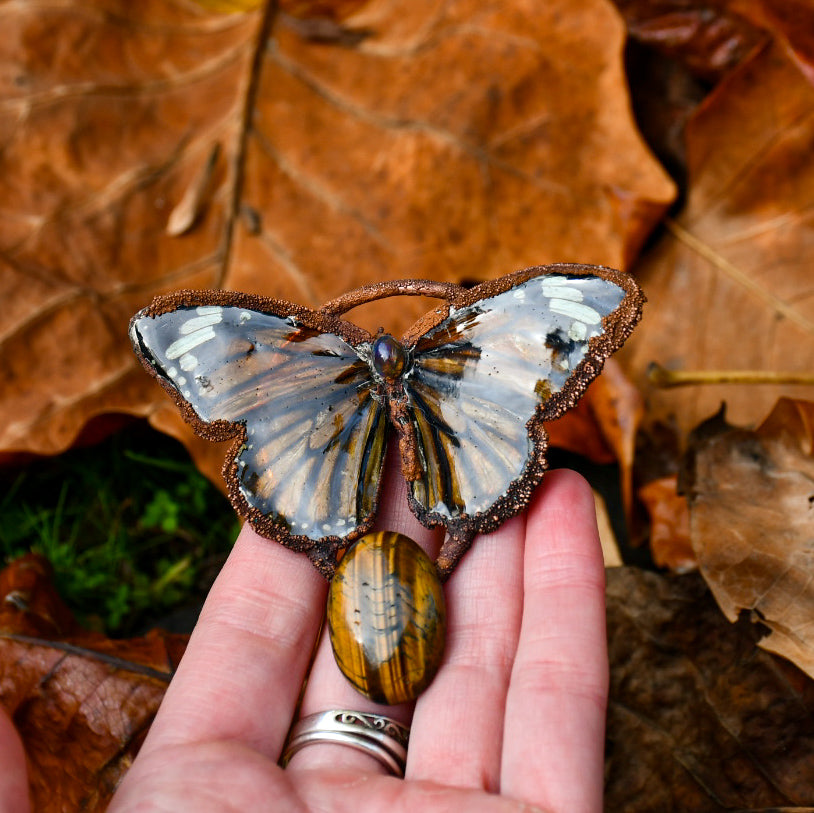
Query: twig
660	376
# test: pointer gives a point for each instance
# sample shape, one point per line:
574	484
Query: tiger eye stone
387	617
389	357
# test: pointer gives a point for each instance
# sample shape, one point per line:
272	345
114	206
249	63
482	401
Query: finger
457	730
337	792
327	687
228	776
243	670
13	777
555	710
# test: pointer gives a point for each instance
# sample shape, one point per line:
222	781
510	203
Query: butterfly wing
307	465
485	378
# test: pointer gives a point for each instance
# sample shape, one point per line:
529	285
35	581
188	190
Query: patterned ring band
381	737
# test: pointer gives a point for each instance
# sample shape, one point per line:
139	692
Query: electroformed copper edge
325	552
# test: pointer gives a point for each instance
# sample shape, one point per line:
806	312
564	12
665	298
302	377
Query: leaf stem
172	574
661	377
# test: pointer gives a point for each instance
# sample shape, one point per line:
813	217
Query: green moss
132	529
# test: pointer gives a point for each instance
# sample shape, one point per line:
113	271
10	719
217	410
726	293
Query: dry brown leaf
791	422
729	286
611	555
603	425
752	523
30	605
109	113
790	21
699	719
619	409
360	173
442	141
81	702
678	50
669	524
578	431
708	38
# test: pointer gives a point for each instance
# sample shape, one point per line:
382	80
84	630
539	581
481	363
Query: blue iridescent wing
485	378
311	435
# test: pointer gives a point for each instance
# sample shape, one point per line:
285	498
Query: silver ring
378	736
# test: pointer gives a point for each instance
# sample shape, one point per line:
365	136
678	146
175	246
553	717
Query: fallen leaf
450	142
603	425
481	176
31	606
677	51
728	283
664	95
699	719
710	39
578	431
791	422
108	118
751	505
669	524
607	538
618	408
789	21
82	703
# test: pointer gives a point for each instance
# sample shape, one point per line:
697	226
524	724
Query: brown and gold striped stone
387	617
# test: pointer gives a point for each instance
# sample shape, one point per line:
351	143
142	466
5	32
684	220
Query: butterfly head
388	357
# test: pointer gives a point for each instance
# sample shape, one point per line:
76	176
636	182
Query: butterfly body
311	398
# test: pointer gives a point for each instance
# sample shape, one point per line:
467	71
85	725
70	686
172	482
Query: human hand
514	718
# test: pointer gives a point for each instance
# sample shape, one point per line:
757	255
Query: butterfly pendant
313	400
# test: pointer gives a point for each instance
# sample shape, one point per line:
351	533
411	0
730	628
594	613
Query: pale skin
513	721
